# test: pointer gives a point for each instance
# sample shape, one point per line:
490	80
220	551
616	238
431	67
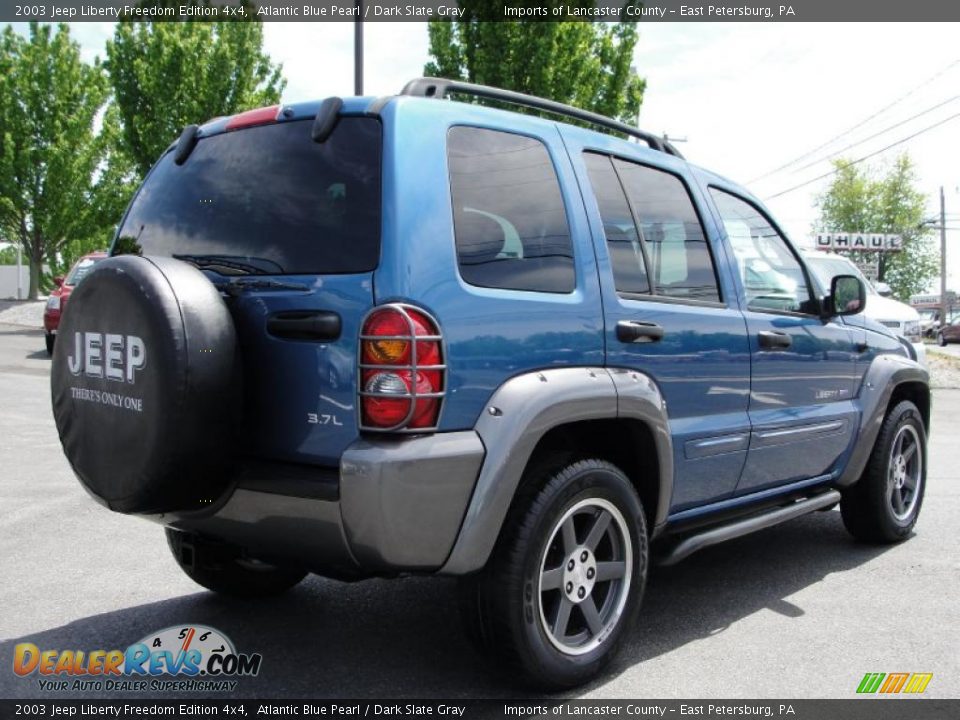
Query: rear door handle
316	325
633	331
772	340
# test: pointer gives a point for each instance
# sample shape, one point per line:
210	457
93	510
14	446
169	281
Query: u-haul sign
876	242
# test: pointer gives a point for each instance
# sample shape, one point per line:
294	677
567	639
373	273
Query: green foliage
584	64
167	75
8	255
57	183
861	199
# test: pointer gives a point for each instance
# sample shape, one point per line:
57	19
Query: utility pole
943	260
358	50
19	271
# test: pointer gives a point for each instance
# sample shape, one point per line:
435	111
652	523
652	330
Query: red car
58	298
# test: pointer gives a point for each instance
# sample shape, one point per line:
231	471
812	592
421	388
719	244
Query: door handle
773	340
633	331
305	325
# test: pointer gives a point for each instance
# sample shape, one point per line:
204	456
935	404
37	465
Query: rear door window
509	219
266	200
670	229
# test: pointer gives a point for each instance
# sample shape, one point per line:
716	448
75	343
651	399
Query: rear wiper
245	265
237	286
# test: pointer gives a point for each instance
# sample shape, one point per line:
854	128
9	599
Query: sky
748	97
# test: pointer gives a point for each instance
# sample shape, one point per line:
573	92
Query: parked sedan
58	298
949	333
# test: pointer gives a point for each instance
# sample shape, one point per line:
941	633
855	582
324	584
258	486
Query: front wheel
941	340
564	585
222	568
885	503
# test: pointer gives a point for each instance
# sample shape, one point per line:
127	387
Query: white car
899	317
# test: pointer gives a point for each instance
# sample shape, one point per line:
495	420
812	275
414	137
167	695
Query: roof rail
440	88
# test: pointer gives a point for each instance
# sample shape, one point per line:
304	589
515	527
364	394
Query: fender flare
521	412
885	373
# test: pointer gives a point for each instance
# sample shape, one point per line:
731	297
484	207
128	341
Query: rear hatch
289	230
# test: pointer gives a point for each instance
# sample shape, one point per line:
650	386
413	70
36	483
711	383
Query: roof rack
440	88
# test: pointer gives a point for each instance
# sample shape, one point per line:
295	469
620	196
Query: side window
508	214
771	274
670	229
623	242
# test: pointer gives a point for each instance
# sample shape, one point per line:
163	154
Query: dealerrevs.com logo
179	658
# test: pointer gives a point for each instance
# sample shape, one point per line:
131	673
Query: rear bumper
395	505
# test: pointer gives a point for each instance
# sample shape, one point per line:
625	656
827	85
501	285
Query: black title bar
526	10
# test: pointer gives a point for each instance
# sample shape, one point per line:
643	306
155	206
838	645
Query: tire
884	505
941	340
221	568
49	340
146	385
552	564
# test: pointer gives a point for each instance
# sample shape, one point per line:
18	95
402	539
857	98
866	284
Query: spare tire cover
146	385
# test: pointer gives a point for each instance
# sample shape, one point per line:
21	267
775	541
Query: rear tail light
402	370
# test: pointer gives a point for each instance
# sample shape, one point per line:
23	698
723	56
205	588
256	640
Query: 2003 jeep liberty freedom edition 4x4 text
378	336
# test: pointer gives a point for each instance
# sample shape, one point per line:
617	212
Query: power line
878	134
865	157
859	124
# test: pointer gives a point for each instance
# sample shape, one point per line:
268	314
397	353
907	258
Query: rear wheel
941	340
885	503
223	569
564	585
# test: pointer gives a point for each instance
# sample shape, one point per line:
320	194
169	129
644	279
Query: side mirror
58	281
848	296
883	289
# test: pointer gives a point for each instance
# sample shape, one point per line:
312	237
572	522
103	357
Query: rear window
81	270
266	200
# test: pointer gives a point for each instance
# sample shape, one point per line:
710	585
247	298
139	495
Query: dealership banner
393	709
510	11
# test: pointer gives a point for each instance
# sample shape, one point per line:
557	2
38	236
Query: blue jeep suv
380	336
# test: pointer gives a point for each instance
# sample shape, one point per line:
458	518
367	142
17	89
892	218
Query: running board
737	528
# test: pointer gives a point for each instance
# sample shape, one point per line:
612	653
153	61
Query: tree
584	64
166	75
860	199
52	171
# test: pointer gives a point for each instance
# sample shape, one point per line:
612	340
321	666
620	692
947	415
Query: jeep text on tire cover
367	337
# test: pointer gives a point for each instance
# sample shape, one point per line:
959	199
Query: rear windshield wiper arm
247	265
238	286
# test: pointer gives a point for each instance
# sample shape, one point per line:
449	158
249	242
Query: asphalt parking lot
800	610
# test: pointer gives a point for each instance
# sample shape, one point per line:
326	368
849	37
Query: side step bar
735	529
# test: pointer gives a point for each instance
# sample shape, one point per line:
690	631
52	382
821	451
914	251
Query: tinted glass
266	200
771	274
623	242
680	259
508	214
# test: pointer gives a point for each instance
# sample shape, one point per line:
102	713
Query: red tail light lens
402	372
